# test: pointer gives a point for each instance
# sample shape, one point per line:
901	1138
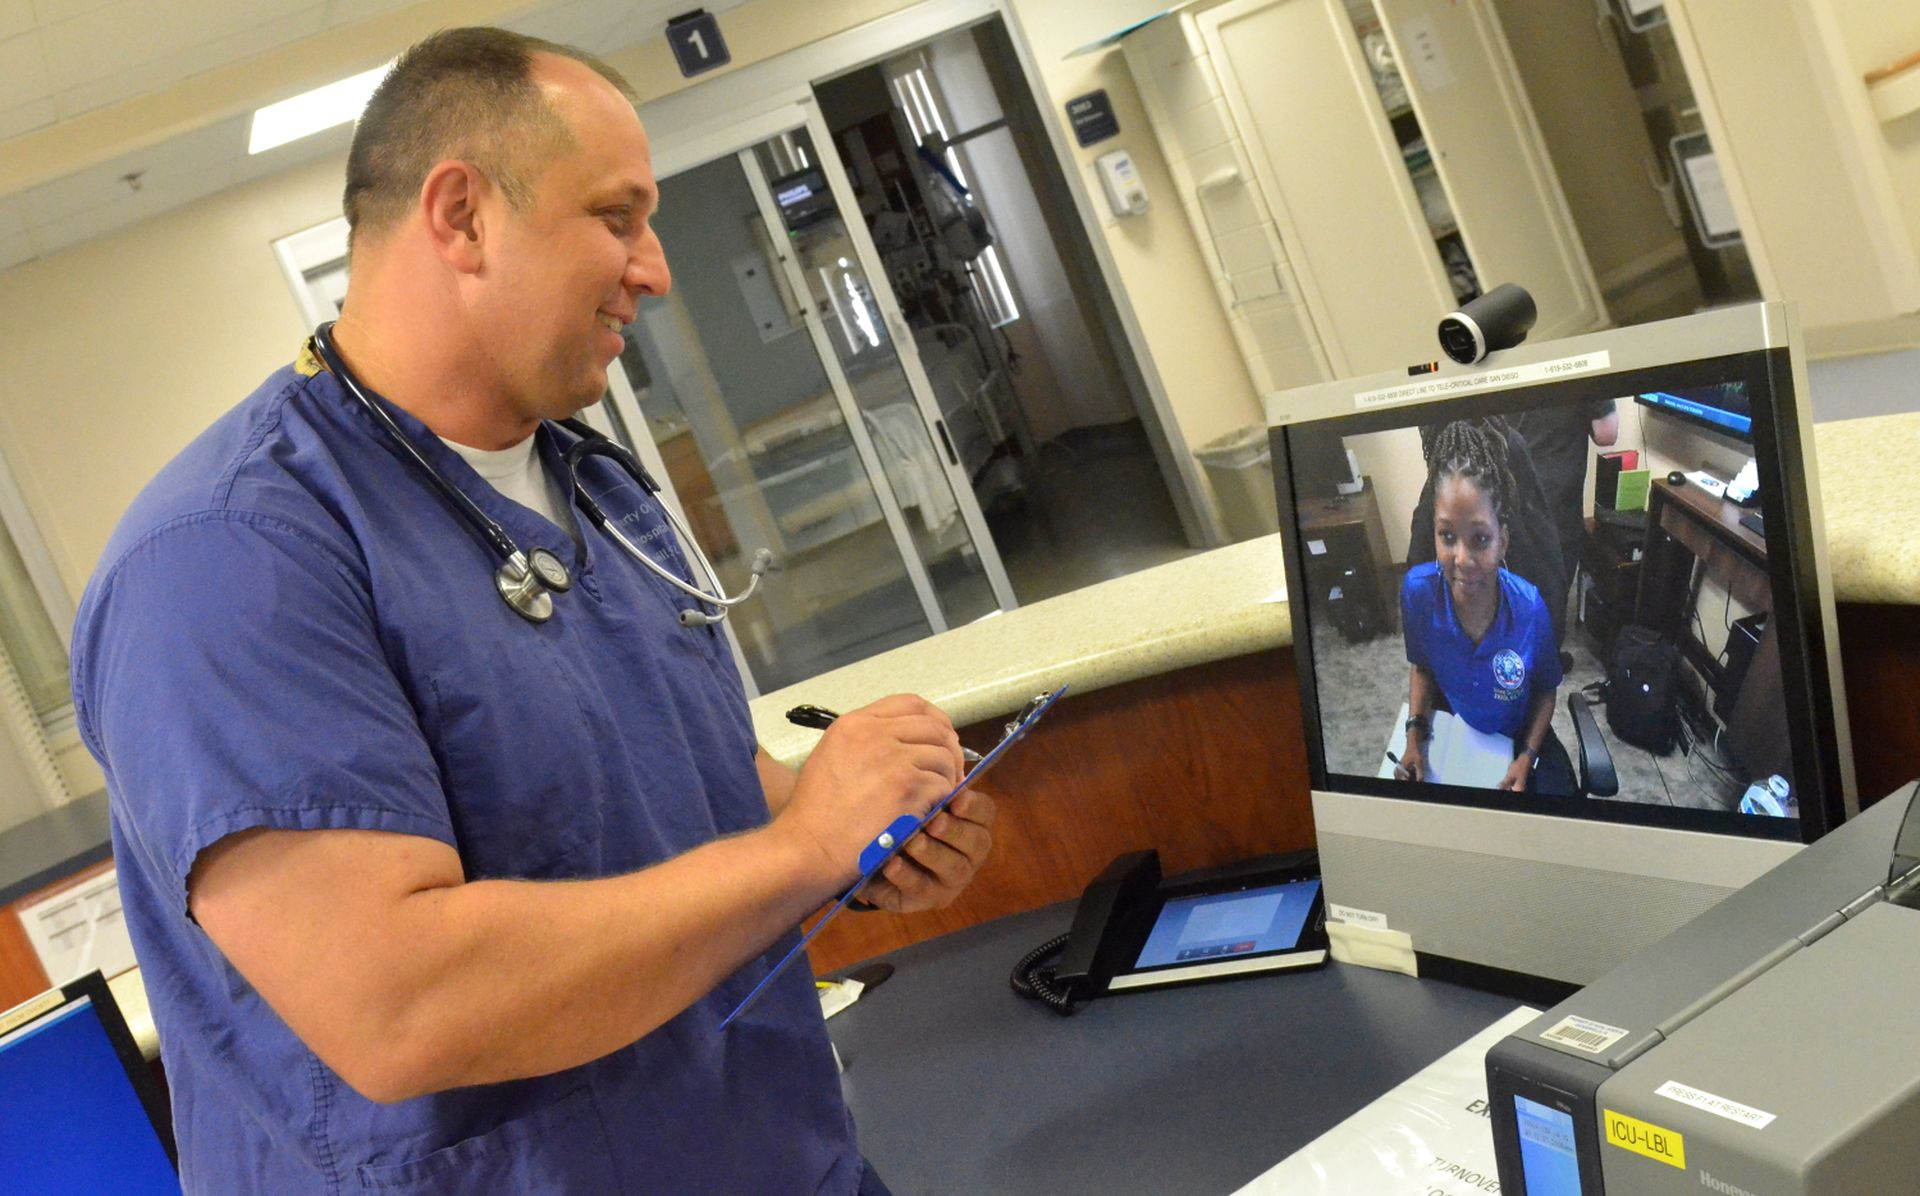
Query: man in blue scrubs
429	898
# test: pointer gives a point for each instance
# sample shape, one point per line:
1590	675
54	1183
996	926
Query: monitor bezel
94	989
1755	342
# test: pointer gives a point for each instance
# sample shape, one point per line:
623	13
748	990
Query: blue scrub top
1491	683
291	628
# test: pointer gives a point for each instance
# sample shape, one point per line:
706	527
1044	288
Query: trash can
1240	468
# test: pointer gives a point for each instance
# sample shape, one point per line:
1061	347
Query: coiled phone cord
1031	979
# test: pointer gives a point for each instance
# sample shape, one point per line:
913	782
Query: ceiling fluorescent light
313	111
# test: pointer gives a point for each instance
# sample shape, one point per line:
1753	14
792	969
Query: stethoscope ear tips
762	561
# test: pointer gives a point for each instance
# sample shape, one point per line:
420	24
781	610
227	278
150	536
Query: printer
1770	1047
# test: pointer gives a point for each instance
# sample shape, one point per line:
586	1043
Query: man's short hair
461	93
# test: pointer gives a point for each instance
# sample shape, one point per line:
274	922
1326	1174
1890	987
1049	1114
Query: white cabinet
1810	170
1341	224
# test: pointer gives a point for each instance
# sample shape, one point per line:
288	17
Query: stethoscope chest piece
529	580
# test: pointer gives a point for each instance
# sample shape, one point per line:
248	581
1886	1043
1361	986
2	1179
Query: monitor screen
79	1113
1548	1161
1229	925
1560	693
1520	556
804	198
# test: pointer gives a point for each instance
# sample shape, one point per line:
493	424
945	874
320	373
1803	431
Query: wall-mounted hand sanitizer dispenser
1125	193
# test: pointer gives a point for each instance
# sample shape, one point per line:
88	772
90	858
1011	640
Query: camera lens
1458	342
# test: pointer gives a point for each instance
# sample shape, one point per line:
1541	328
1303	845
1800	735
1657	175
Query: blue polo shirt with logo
1491	683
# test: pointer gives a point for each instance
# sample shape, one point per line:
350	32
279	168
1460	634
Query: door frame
686	122
907	350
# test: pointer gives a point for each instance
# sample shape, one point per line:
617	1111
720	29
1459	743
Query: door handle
946	442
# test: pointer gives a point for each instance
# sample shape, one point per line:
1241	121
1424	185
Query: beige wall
117	351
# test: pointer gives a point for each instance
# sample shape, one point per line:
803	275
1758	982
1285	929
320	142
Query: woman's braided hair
1474	449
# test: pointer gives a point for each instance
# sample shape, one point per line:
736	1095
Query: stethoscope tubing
525	579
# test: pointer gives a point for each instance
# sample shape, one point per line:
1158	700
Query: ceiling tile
347	12
582	23
151	200
14	250
53	12
211	152
26	118
23	72
153	75
103	43
16	17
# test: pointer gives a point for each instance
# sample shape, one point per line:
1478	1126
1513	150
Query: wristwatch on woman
1419	723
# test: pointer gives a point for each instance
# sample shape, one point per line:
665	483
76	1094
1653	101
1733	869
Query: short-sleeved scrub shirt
292	629
1491	683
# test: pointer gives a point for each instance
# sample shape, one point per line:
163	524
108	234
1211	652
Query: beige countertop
1205	607
1212	605
1870	498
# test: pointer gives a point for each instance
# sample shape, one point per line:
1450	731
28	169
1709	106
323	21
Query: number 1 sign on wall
697	44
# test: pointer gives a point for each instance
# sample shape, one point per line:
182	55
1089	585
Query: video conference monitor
82	1112
1560	697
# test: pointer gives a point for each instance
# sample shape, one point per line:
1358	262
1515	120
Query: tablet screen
1219	926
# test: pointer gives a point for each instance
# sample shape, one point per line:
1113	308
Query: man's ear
451	208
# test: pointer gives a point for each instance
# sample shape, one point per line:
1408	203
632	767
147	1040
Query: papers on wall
1430	1134
1456	753
80	929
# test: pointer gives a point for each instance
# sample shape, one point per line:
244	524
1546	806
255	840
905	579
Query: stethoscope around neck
527	579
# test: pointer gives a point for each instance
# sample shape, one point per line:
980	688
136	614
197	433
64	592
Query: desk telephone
1134	930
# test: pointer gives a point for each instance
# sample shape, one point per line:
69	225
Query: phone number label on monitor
1518	375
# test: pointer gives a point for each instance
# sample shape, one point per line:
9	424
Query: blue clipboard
889	842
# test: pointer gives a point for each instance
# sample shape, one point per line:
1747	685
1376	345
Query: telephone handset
1135	930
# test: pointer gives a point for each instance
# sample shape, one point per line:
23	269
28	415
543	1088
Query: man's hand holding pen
899	755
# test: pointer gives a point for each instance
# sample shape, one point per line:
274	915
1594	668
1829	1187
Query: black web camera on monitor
1499	319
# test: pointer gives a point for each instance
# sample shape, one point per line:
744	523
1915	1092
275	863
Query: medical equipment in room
1766	1048
527	579
1126	193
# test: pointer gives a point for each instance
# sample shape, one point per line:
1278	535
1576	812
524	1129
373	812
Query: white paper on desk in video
1456	753
1431	1134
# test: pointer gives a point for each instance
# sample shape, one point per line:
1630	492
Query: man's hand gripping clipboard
888	842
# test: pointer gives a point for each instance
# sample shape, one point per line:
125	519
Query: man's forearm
501	979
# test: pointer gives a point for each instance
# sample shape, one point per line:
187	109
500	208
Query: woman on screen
1479	637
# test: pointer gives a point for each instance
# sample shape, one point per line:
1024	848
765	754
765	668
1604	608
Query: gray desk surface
959	1086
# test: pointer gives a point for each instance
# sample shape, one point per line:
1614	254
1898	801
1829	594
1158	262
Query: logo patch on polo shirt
1509	672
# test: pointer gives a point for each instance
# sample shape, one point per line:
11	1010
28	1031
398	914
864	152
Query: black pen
819	719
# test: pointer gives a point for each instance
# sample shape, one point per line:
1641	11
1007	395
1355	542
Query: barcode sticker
1583	1035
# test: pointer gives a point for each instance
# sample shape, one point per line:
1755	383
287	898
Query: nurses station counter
1181	732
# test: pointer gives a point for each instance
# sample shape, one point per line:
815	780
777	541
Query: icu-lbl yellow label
1660	1145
